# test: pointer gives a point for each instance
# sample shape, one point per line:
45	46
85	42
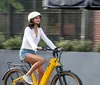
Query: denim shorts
25	52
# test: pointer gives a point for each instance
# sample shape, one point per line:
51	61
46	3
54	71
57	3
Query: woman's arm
47	40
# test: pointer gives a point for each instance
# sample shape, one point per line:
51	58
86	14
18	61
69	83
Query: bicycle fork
62	80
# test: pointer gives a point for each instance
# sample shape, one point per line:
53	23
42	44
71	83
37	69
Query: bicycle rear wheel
13	74
67	78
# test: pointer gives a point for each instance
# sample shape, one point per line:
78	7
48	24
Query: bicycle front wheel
13	74
66	78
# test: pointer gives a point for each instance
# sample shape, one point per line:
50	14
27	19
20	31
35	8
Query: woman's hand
39	48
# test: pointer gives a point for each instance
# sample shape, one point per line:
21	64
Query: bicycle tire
13	74
66	74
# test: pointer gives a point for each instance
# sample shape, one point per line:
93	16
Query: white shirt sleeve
48	41
30	39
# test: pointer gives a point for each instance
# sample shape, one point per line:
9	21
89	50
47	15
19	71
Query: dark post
9	29
61	23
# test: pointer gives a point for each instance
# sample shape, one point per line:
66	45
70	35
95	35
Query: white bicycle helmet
33	15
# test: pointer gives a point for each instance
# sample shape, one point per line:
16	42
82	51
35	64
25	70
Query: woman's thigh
32	58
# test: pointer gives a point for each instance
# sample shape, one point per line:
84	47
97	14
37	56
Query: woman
31	38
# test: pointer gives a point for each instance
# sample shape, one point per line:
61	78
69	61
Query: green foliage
3	7
97	47
14	3
66	44
83	46
17	5
75	45
13	43
2	39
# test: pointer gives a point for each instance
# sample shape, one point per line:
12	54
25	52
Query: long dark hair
31	26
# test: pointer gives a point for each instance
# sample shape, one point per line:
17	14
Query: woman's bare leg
40	73
36	62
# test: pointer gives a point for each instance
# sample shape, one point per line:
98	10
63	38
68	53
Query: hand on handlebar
58	49
39	48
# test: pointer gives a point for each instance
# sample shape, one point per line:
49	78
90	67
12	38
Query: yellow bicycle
14	75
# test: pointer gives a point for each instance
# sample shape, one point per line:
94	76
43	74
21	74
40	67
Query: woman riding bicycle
32	35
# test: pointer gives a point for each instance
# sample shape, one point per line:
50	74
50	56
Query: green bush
66	44
2	39
84	46
13	43
75	45
97	47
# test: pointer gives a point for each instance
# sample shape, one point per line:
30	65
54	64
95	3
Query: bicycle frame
52	64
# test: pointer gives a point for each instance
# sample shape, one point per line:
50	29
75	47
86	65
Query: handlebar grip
58	49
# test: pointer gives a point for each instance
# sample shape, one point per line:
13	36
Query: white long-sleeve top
30	41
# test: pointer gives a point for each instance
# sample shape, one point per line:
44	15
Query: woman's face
36	20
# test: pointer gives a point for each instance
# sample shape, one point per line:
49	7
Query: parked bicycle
14	75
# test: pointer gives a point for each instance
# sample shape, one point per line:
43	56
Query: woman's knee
42	60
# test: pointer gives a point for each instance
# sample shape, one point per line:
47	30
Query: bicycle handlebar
46	49
55	51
